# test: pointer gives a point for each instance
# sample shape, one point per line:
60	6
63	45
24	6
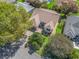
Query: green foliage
36	40
67	8
75	54
21	0
41	50
44	5
75	14
49	5
12	23
77	2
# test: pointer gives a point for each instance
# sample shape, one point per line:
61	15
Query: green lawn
78	2
51	4
60	26
20	0
75	14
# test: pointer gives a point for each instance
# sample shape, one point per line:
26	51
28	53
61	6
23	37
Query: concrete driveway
22	53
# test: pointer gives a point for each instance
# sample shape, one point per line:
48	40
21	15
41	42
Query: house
60	2
26	6
40	0
8	1
45	20
71	28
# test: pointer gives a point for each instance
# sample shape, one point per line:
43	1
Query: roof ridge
47	10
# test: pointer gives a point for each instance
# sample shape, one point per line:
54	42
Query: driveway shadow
9	50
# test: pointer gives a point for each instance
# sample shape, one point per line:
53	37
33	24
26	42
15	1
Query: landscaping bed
41	50
37	42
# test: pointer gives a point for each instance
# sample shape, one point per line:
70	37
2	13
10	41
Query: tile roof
47	16
76	25
72	25
26	6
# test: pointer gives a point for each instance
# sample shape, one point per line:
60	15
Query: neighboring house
41	0
45	20
60	2
72	26
26	6
9	1
45	0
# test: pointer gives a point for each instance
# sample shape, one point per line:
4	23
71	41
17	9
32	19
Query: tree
75	54
66	8
12	22
35	3
60	47
36	40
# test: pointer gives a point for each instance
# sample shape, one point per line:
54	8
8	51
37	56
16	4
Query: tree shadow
31	49
9	50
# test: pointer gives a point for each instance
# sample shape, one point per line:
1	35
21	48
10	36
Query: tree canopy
75	54
35	3
13	22
66	8
36	40
60	47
